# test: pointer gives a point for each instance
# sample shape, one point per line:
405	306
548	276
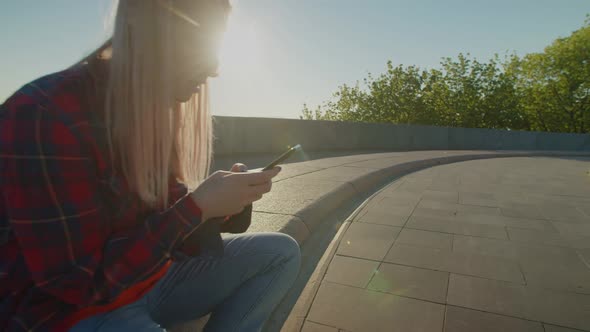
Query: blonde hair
154	139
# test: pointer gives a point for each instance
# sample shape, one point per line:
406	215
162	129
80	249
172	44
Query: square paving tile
535	224
449	208
540	237
466	320
315	327
416	182
351	271
439	214
572	276
366	240
490	296
570	228
477	198
443	186
410	281
425	238
441	196
507	198
360	213
476	187
462	263
521	211
478	210
417	188
584	208
559	308
585	253
369	206
553	328
399	197
513	250
373	216
566	213
358	309
456	227
392	206
578	241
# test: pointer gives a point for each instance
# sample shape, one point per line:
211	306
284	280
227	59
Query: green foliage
548	91
556	84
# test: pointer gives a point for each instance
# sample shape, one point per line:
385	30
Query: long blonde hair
154	139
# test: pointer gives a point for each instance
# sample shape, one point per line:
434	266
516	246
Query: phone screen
282	157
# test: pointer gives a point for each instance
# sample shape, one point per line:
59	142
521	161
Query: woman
107	219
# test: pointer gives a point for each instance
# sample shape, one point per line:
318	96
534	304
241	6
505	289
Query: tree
556	84
464	93
548	91
483	95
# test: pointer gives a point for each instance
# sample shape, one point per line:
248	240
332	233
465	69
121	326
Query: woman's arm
238	223
50	187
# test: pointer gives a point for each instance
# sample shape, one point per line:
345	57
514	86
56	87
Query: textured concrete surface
487	245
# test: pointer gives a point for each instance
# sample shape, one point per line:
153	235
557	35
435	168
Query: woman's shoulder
47	111
58	94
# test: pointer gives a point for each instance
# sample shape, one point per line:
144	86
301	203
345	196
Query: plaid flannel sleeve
50	188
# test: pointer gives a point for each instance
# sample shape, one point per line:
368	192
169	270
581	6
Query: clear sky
281	54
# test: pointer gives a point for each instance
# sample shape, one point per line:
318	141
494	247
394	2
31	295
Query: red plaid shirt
72	235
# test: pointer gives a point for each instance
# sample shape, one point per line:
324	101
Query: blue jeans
240	289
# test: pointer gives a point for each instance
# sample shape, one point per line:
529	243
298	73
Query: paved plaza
484	245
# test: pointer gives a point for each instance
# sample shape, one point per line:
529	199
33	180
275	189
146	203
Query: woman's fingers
265	187
256	197
250	186
260	188
255	193
257	178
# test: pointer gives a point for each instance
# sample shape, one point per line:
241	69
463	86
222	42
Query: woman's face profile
198	27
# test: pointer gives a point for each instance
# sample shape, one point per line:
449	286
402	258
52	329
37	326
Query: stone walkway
485	245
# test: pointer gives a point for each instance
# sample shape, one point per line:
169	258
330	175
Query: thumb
239	167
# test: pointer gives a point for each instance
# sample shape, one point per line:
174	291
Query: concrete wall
247	136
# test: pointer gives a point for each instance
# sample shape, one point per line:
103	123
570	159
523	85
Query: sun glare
241	49
246	84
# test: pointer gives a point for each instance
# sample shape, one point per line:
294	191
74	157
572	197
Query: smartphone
282	157
274	163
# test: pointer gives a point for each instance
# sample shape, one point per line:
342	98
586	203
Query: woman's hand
227	193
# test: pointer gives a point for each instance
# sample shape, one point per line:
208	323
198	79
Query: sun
241	48
246	83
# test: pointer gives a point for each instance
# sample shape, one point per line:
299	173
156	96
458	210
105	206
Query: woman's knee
288	249
282	246
287	246
278	243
